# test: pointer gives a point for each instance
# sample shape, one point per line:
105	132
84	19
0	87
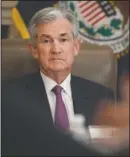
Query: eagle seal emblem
100	22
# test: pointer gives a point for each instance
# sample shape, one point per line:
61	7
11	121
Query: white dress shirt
66	95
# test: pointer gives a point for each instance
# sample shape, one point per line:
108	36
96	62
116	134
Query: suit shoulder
86	82
18	82
93	87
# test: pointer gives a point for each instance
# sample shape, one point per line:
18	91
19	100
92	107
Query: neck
58	77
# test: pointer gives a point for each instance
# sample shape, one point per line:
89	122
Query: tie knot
57	89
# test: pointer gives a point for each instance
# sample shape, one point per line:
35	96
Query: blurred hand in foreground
115	115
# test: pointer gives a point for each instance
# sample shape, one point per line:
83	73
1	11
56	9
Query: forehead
55	28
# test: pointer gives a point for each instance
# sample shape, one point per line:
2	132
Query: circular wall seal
101	22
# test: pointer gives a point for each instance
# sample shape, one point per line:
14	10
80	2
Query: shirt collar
49	83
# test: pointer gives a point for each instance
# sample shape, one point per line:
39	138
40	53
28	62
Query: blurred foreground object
115	116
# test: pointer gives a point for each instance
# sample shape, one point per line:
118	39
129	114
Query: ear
76	46
33	51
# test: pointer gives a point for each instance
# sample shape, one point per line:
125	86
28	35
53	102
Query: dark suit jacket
27	126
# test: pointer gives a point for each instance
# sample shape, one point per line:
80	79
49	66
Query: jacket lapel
81	101
38	96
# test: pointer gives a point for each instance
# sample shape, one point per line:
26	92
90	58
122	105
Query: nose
56	48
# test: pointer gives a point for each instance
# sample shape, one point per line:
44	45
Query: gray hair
50	14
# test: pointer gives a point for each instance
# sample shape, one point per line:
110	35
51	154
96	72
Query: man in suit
38	109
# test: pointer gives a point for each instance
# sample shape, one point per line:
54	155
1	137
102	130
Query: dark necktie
61	117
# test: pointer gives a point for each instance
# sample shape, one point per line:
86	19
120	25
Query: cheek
70	55
70	51
43	55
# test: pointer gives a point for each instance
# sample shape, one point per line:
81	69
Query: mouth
56	59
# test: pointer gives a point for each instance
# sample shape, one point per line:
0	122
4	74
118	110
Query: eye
63	40
46	41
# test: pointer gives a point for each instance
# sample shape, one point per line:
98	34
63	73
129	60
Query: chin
57	68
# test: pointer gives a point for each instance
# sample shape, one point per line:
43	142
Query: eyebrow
45	35
64	34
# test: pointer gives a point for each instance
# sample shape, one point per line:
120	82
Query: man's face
56	46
